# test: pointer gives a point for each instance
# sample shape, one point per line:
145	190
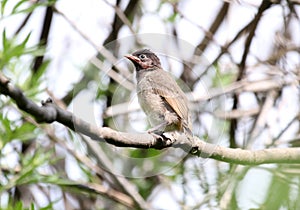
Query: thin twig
236	87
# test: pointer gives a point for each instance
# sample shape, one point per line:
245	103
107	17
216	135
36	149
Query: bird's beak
133	58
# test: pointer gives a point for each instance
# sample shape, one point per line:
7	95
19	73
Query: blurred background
237	61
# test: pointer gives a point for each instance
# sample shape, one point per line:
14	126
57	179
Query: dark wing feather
176	102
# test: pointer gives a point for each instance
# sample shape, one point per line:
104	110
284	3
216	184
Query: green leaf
280	188
48	207
19	4
19	205
25	132
13	50
32	206
172	17
142	153
23	44
31	7
29	173
5	131
19	49
10	131
222	78
4	40
3	4
35	79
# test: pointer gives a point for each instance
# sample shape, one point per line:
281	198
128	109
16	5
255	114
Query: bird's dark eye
142	56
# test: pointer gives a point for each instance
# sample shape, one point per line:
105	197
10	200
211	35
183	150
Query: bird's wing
171	93
175	102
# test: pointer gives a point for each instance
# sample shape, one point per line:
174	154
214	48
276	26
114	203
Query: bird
160	97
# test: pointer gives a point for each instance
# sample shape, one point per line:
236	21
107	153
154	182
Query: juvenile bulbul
160	97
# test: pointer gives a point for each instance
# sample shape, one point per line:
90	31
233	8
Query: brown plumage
160	97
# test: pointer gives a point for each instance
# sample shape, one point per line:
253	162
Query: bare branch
113	194
44	37
252	28
49	113
101	50
236	87
113	74
261	120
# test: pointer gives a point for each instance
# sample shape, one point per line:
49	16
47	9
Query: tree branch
49	113
44	37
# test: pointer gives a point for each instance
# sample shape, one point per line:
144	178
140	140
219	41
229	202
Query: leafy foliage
65	169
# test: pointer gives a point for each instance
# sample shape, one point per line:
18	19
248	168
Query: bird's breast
151	102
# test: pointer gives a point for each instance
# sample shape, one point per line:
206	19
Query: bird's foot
164	138
156	134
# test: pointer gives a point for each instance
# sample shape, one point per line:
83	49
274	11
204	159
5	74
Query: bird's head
144	59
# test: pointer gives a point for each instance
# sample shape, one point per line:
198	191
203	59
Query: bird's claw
166	140
156	134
